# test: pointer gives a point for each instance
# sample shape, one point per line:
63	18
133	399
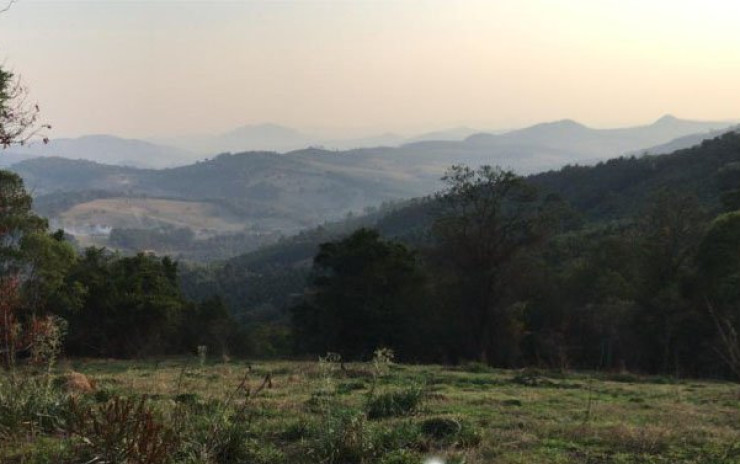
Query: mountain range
269	192
169	152
274	137
105	149
541	146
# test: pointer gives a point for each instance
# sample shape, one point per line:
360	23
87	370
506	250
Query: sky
158	67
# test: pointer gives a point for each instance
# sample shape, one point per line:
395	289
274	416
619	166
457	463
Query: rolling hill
615	191
107	149
285	193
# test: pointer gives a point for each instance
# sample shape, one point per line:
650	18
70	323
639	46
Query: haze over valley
274	117
99	184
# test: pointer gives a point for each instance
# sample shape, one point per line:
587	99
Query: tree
487	216
718	262
211	325
32	266
16	218
27	250
668	234
362	297
131	306
19	119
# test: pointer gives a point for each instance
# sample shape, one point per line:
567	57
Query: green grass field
322	412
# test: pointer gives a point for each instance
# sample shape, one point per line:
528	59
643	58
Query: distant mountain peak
566	123
666	119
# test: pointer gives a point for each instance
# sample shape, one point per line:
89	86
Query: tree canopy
361	296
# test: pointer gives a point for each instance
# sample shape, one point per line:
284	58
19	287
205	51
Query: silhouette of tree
19	119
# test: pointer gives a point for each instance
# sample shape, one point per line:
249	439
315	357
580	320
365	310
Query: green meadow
192	411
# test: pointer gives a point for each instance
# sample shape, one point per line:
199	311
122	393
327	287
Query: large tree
32	268
27	250
362	297
666	238
718	261
132	306
486	217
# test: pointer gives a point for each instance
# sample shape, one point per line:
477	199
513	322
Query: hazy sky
142	68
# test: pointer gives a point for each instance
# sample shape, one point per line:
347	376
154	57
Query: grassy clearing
202	217
323	412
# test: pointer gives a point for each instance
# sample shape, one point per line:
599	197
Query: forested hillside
619	187
580	267
615	254
616	190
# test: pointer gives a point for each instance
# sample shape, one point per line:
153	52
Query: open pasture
329	412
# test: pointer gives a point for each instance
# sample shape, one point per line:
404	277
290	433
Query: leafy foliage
516	279
363	289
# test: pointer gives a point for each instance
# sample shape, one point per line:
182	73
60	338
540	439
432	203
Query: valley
256	196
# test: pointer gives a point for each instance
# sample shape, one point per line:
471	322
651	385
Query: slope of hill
109	149
203	218
264	193
50	175
687	141
586	144
617	189
278	138
453	134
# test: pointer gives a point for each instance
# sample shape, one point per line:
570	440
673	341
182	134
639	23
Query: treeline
132	307
576	270
512	278
108	305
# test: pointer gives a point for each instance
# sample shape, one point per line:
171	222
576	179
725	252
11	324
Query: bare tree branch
19	118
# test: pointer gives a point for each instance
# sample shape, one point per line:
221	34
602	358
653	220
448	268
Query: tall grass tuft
122	430
395	403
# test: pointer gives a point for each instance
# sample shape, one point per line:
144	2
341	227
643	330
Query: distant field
323	413
203	218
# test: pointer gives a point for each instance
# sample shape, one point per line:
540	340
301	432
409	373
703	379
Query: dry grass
150	212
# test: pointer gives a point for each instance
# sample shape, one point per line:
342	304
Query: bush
395	403
450	431
440	427
401	436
